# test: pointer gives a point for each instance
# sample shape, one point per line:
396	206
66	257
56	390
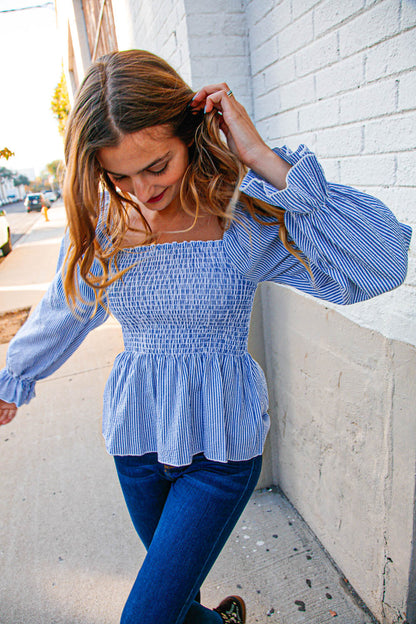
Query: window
99	22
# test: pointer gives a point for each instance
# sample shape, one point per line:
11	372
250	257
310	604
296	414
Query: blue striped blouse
185	383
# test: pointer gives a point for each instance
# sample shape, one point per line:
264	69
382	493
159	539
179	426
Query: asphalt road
19	220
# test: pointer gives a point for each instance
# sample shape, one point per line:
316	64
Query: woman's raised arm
355	247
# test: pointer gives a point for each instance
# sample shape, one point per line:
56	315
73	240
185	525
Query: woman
160	234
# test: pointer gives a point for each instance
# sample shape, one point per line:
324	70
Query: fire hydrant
45	212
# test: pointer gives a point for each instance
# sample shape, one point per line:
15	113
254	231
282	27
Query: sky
30	62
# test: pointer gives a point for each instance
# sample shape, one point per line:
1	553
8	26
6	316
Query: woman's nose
141	190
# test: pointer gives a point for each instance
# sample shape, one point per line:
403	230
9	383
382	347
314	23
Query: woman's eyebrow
152	164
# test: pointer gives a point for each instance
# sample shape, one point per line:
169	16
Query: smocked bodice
182	298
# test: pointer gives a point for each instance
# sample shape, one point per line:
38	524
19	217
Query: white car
5	236
50	195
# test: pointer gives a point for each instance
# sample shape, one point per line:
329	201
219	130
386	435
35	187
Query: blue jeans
183	515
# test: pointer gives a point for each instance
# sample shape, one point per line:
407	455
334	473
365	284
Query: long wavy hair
122	93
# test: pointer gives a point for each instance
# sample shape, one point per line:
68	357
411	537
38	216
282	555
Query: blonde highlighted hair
122	93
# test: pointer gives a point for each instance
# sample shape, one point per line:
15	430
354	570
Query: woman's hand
7	412
242	137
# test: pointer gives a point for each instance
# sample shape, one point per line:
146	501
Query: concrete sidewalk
69	554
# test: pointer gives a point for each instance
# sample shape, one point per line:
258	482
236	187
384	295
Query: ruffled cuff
15	390
306	188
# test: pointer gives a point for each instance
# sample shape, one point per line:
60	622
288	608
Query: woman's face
150	165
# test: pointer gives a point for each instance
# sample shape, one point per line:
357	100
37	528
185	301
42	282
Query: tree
54	167
18	178
38	184
6	153
21	179
60	104
5	173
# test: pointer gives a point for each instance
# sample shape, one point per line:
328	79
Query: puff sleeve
354	245
47	339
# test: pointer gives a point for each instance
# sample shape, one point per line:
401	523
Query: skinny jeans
183	515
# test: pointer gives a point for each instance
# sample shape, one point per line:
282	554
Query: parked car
35	201
5	236
50	195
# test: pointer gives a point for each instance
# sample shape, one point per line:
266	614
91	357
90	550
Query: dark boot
232	610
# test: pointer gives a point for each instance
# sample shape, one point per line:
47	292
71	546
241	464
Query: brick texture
160	27
205	41
342	76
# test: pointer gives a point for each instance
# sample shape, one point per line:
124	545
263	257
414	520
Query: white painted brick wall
218	46
330	141
369	101
407	90
296	35
369	170
319	115
321	53
205	42
408	14
406	168
330	15
380	22
341	76
391	57
159	27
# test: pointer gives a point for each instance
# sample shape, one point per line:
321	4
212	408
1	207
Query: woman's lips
156	198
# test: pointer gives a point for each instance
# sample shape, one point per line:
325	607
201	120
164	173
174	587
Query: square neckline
185	243
175	244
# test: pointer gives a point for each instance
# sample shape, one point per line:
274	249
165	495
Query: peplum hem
187	404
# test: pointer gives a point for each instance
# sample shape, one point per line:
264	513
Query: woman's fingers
200	96
7	412
221	101
242	136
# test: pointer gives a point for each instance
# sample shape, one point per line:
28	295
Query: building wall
218	46
159	27
341	77
342	440
7	188
75	51
190	36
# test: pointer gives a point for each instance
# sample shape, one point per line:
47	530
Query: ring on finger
229	93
